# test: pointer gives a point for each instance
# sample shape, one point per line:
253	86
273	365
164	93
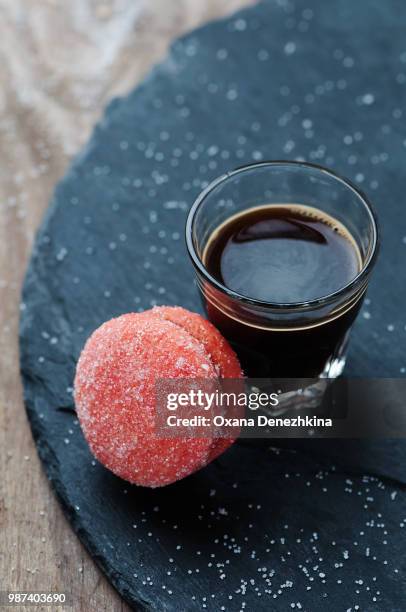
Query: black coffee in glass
283	253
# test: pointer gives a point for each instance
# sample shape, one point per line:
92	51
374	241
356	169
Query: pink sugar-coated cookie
222	355
115	398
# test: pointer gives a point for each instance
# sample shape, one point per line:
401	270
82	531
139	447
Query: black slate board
309	525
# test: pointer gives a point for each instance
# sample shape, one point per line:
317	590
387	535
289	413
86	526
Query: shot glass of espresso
283	252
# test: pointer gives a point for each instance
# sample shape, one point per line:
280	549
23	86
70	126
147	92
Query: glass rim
325	299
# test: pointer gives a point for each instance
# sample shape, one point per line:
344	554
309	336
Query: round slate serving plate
306	524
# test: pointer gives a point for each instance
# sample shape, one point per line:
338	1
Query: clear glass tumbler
300	339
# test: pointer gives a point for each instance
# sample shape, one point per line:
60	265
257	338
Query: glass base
335	365
311	397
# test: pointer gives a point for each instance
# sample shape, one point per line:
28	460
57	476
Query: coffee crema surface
282	253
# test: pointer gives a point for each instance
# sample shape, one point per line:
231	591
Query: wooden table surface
60	62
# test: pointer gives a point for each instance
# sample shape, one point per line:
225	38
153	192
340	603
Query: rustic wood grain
59	64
